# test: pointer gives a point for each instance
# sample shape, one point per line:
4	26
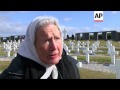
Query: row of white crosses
111	50
72	45
82	46
86	51
11	46
8	49
78	45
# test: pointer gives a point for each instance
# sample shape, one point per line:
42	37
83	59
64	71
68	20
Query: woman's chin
55	60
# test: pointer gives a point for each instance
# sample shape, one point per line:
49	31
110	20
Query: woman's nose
53	45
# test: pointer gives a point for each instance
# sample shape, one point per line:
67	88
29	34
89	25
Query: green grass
90	74
97	59
4	65
3	53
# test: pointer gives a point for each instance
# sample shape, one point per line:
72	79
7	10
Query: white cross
78	42
8	49
72	47
4	45
78	49
70	43
83	45
112	52
64	33
109	47
87	51
94	48
87	43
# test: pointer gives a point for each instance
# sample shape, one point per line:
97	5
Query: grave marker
87	52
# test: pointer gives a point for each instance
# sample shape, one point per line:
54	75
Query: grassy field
102	49
90	74
4	65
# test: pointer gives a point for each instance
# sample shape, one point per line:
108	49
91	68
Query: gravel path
6	58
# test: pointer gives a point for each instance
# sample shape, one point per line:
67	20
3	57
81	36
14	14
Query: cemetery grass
97	59
84	73
90	74
4	65
3	53
102	49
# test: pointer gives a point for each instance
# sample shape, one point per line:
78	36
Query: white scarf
27	49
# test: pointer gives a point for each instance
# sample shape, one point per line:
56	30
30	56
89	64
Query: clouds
8	27
114	12
73	30
67	19
105	29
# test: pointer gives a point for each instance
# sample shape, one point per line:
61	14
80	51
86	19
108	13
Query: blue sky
16	22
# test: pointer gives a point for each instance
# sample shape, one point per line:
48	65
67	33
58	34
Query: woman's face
48	44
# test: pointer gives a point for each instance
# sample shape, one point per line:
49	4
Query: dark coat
24	68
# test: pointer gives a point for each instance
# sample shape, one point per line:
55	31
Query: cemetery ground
100	56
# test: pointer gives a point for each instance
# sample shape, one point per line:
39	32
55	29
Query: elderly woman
41	54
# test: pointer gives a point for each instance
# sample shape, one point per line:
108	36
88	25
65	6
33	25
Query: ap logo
98	16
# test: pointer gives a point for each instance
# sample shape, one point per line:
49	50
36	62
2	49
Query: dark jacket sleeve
13	71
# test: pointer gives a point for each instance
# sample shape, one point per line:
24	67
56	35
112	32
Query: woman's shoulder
72	60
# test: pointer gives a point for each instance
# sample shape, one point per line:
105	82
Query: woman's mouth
53	56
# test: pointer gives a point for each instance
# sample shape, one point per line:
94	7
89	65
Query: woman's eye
57	38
